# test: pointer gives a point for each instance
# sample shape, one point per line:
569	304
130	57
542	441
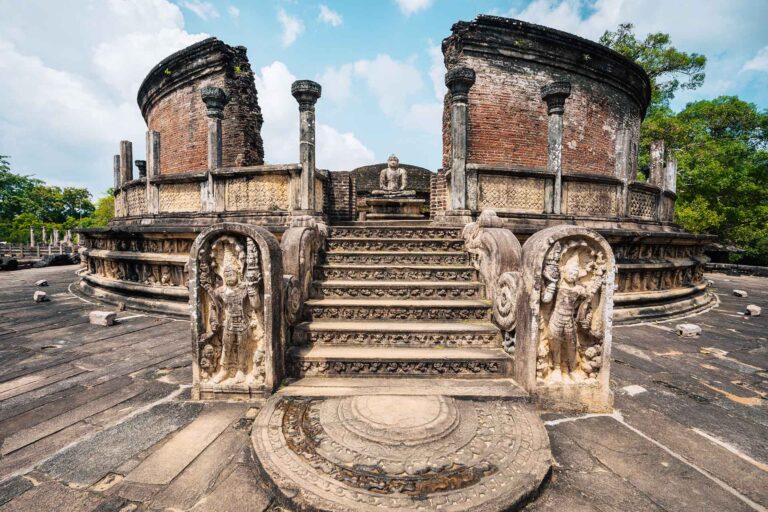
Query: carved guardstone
564	316
235	290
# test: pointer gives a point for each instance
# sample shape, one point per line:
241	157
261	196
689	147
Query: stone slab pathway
84	406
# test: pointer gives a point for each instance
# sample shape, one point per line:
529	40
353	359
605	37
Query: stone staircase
397	300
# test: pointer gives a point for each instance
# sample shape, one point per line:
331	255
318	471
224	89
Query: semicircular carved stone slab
565	319
236	294
380	452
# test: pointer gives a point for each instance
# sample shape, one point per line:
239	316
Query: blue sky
69	71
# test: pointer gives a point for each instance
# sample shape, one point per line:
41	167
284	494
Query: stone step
397	258
324	361
491	388
395	244
375	289
396	272
412	232
396	309
398	334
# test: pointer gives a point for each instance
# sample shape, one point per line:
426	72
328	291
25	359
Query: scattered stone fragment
40	296
633	389
753	310
120	306
740	293
41	282
105	318
688	330
710	282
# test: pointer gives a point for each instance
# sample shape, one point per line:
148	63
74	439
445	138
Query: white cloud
233	11
66	107
335	150
329	16
203	10
292	27
392	82
759	62
409	7
337	83
437	71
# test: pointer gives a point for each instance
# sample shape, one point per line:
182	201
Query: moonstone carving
236	297
564	313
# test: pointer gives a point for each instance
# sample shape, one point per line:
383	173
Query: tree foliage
27	202
721	146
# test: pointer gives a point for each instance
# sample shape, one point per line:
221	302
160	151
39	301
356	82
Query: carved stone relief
594	199
236	298
642	204
511	193
301	245
179	197
262	192
564	314
137	200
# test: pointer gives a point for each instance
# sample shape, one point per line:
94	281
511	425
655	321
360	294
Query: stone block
105	318
41	282
753	310
40	296
740	293
688	330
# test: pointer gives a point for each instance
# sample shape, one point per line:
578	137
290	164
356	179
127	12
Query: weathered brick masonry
341	196
170	102
507	116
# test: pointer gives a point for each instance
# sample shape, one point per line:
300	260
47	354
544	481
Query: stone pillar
153	171
118	181
55	236
126	161
306	93
555	94
670	174
141	165
459	81
624	167
657	164
215	100
68	237
45	236
31	236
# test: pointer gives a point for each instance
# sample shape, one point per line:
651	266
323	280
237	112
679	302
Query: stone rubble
40	296
41	282
688	330
105	318
740	293
753	310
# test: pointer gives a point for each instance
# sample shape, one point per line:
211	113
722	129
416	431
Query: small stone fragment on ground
740	293
105	318
688	330
753	310
633	389
120	306
40	296
41	282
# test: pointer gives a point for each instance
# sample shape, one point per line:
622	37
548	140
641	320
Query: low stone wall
734	269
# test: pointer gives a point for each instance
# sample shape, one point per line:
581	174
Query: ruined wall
342	196
170	102
507	116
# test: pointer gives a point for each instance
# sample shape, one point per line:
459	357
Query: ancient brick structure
539	125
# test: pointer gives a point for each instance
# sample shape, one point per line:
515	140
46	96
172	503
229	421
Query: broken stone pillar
45	236
31	236
669	195
564	319
126	162
306	93
657	164
141	165
55	236
555	95
116	172
215	100
153	171
459	81
68	237
236	299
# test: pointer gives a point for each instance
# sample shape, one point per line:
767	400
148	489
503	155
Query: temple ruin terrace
512	330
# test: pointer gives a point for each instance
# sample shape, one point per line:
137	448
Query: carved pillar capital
141	165
459	81
306	93
555	95
215	100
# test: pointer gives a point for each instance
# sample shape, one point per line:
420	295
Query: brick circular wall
170	102
507	116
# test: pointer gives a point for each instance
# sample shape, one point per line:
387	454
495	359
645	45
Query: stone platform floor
99	418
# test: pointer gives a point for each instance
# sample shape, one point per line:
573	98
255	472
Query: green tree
15	191
77	202
668	68
103	213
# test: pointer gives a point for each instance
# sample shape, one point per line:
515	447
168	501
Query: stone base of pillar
455	218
